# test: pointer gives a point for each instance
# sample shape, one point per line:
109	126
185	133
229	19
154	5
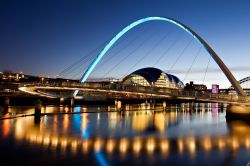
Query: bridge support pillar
118	105
61	101
38	107
72	102
6	104
164	105
192	106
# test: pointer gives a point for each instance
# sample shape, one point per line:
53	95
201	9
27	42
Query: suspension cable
119	51
148	52
86	62
196	56
167	50
63	72
180	55
81	59
133	51
206	69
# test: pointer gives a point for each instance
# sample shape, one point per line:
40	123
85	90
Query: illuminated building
152	77
215	88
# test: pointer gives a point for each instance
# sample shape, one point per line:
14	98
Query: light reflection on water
179	132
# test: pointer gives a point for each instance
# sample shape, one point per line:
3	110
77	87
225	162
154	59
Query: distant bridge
245	84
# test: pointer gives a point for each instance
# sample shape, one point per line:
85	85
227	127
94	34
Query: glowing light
123	145
55	122
221	144
140	122
247	142
39	139
85	146
164	146
85	131
65	122
207	144
54	142
137	145
150	145
6	127
64	144
235	144
74	146
66	109
159	122
98	145
180	145
191	145
33	138
19	128
110	145
46	140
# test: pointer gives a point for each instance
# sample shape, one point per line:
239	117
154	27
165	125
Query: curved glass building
152	77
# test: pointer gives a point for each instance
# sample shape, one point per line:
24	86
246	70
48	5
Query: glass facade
163	80
135	80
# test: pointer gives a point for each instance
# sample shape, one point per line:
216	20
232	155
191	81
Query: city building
215	88
197	87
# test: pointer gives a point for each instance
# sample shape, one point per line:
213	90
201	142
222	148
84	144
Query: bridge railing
148	90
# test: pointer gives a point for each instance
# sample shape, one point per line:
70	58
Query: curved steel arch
223	67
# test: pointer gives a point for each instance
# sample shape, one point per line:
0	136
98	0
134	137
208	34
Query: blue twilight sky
43	37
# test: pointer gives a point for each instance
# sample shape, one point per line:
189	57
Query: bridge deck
132	92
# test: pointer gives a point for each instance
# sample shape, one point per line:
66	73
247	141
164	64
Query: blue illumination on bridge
100	158
78	124
188	30
120	34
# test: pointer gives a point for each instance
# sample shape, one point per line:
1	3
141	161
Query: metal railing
116	88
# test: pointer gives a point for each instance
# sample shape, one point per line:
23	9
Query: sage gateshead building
153	77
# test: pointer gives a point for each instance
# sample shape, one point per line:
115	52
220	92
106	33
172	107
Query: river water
139	134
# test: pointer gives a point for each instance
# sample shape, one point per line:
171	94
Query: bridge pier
72	102
147	103
118	105
164	105
38	107
61	101
192	106
37	114
152	104
6	104
238	112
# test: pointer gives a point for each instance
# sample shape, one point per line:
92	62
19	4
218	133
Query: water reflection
182	131
150	145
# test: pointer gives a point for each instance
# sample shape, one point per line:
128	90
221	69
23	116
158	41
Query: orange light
123	145
150	145
110	145
164	146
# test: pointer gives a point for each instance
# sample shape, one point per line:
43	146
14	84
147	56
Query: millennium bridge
146	92
131	92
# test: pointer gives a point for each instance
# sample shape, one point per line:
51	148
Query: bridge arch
212	53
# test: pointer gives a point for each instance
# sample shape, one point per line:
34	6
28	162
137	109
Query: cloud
210	70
